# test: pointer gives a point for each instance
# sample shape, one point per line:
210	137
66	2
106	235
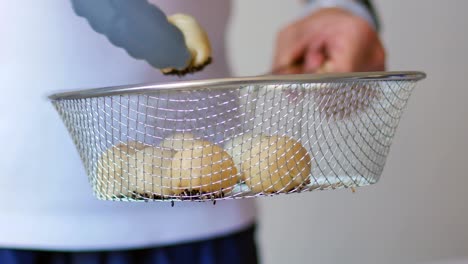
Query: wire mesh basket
234	138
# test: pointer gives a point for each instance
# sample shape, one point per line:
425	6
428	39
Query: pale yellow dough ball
196	40
153	168
178	141
204	167
276	164
239	145
116	172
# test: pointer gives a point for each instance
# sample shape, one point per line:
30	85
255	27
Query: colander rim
236	82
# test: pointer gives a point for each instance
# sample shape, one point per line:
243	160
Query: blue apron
238	248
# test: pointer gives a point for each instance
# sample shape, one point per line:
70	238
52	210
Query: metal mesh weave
252	140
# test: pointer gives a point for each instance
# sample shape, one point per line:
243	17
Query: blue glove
138	27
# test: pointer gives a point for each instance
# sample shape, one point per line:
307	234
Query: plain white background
418	212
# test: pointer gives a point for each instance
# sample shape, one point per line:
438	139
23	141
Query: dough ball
196	40
132	146
116	169
204	167
178	141
277	164
154	171
238	146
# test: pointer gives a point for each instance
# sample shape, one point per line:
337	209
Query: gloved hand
143	30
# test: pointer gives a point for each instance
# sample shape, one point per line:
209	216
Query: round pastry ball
237	146
153	168
196	40
132	146
277	164
116	170
178	141
204	167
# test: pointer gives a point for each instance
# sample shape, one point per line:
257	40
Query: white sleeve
353	6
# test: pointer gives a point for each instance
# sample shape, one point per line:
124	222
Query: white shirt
45	199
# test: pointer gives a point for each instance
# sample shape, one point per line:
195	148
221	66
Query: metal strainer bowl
238	137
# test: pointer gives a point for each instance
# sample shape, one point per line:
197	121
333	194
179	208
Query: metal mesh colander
233	138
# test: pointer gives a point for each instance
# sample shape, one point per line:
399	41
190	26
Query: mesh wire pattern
246	140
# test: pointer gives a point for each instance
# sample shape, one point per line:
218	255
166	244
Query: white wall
418	212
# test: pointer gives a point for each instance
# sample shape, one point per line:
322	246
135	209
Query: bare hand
329	40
